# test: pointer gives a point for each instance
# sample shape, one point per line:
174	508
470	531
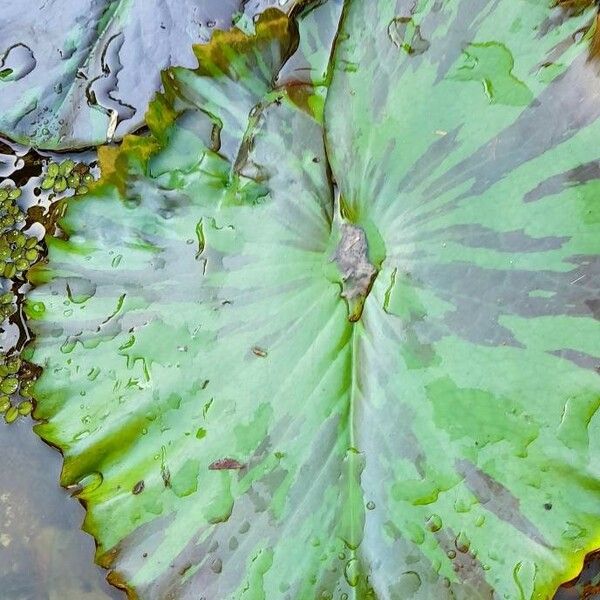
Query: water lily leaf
77	74
480	338
341	354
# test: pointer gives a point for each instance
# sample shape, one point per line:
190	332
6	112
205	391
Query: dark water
43	553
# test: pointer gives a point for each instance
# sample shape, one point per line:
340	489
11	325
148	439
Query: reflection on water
43	553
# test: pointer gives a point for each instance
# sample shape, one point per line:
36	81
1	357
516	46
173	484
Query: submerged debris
225	464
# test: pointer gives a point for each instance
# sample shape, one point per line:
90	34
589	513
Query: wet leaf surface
77	74
234	431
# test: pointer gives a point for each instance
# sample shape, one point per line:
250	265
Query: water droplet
415	533
408	584
80	290
524	575
216	566
17	62
462	542
405	34
138	488
461	505
352	572
244	527
91	482
68	345
434	523
573	531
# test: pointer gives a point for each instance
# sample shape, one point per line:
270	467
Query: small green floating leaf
11	415
53	170
25	408
4	404
60	184
48	182
66	167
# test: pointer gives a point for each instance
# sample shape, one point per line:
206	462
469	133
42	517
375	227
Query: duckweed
18	253
68	175
16	388
25	408
7	305
17	250
12	414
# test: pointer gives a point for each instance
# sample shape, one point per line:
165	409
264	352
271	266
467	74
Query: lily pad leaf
83	73
305	354
481	337
147	363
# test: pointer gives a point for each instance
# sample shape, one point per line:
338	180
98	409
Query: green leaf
481	338
267	385
82	73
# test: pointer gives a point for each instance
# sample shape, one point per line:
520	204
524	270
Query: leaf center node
357	273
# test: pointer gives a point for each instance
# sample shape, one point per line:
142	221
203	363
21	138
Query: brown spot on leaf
225	464
118	580
138	488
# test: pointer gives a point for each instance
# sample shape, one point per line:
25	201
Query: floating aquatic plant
67	175
19	250
16	382
83	73
337	336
